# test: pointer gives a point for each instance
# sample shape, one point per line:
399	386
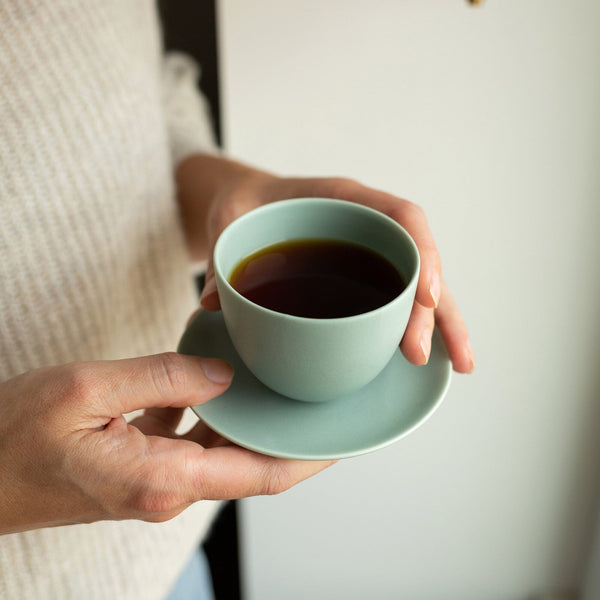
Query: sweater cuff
187	110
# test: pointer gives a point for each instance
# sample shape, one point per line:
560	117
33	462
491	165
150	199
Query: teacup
308	358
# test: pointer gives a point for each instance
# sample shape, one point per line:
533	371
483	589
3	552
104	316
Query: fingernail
426	344
218	371
470	357
435	289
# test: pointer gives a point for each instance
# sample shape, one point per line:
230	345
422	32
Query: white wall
490	119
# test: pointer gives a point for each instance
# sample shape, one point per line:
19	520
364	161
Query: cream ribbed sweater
92	258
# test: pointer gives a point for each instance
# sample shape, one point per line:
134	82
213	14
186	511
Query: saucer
395	403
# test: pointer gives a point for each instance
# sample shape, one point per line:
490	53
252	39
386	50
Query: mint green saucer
251	415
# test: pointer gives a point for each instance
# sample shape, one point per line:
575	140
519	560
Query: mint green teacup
305	358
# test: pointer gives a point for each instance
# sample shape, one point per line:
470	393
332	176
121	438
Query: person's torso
92	263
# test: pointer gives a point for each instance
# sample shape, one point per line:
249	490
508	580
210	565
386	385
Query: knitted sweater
93	118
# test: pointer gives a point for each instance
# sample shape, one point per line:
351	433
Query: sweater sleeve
187	111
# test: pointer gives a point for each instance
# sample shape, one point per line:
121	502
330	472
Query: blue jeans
195	582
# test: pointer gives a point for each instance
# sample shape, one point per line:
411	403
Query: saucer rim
201	411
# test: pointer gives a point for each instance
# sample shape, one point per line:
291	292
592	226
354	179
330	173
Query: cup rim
279	205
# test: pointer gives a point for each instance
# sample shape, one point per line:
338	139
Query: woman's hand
230	189
67	454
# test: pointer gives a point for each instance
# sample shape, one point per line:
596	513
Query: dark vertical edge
190	26
222	551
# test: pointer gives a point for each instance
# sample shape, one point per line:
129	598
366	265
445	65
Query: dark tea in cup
318	278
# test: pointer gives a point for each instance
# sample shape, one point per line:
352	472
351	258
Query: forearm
200	180
24	507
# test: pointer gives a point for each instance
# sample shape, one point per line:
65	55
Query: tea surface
320	279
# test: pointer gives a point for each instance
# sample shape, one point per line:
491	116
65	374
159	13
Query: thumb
160	380
210	297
